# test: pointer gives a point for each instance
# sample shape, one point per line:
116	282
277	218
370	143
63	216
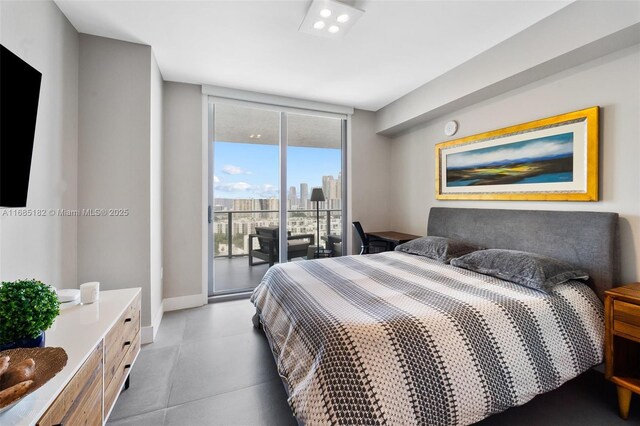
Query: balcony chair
370	244
269	247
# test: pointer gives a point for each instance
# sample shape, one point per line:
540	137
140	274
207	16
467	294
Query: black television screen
19	94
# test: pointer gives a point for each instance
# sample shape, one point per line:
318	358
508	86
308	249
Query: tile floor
209	366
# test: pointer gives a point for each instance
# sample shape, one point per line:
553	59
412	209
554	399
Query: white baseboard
148	333
184	302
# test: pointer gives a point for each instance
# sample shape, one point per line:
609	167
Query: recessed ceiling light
252	136
325	13
318	25
343	18
334	29
258	136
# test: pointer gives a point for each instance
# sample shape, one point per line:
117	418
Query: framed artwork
554	159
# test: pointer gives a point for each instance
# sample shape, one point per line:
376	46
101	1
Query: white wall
115	166
612	82
45	247
182	192
369	175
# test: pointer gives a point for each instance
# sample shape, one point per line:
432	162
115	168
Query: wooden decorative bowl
48	363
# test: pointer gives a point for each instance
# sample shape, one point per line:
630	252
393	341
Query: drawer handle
126	344
127	366
127	320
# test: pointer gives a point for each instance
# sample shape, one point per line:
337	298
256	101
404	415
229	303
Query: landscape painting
541	160
551	159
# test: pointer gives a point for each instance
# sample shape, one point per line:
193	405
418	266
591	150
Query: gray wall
369	175
182	191
117	132
611	82
45	247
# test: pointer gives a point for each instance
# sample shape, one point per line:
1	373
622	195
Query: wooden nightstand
622	342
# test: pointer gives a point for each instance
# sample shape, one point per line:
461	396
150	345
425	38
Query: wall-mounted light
329	18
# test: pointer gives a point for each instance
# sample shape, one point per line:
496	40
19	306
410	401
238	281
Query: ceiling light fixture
330	18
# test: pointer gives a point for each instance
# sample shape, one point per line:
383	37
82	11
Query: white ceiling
394	48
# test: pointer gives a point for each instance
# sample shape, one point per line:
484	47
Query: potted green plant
27	309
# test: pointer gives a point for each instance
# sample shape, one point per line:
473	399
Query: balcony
231	230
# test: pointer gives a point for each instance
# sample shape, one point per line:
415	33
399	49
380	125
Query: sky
244	170
545	147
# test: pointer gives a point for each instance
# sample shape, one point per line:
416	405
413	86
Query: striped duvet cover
399	339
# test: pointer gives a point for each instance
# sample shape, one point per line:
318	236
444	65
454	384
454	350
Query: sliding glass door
314	162
265	163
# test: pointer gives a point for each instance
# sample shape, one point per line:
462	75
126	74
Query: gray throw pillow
438	248
527	269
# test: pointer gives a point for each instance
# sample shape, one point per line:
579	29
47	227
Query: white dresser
102	341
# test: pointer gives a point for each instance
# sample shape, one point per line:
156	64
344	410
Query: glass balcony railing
231	228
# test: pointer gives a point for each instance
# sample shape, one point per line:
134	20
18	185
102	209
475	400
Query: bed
394	338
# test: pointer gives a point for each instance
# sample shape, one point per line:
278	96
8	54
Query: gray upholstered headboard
589	240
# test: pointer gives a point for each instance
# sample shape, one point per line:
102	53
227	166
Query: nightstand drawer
626	319
626	313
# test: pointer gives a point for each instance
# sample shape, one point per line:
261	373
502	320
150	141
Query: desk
392	237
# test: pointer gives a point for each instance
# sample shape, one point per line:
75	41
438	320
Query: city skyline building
229	216
304	195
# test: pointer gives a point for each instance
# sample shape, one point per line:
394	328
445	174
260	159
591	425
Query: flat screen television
19	95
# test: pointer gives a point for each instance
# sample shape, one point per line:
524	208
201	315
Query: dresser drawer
76	390
112	390
87	410
119	340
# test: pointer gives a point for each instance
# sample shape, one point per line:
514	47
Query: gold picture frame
552	159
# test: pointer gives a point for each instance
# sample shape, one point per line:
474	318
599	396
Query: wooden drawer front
74	390
626	312
112	390
87	410
120	338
